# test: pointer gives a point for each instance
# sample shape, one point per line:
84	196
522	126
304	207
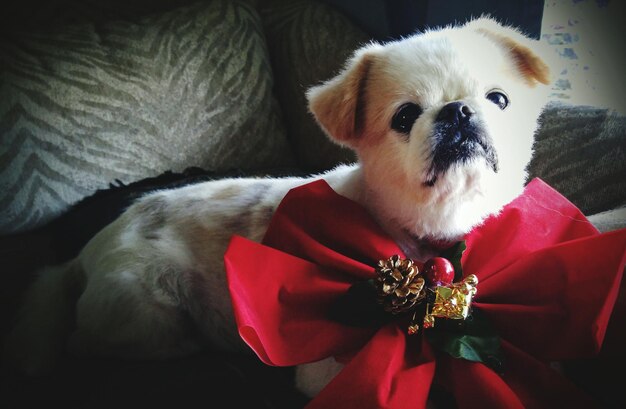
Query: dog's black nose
455	112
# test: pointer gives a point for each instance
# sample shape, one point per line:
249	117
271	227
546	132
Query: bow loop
548	283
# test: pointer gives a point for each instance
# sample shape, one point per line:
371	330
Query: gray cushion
581	152
86	104
610	220
308	42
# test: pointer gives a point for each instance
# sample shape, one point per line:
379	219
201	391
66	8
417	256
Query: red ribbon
547	282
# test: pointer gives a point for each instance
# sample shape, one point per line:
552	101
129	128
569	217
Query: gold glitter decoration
451	301
429	321
400	286
412	329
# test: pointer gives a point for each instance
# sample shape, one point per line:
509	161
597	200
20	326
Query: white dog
442	124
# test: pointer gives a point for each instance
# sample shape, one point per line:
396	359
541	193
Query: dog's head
442	123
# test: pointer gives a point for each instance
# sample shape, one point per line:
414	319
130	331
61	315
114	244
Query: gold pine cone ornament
400	287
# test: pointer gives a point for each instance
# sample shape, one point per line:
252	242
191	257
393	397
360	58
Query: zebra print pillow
581	151
87	104
297	33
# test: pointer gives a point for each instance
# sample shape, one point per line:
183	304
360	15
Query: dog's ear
339	104
525	51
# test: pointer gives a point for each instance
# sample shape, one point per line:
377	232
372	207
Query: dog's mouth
458	144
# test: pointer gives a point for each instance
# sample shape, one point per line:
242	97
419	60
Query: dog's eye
498	98
403	120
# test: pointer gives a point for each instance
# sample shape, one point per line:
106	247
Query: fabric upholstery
308	43
581	152
85	104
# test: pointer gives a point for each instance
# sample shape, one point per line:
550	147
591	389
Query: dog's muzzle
458	138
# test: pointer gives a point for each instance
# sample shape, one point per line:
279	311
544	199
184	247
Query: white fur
151	284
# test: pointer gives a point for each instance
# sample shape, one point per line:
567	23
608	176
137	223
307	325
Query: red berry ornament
438	271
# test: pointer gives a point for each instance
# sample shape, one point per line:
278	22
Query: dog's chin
457	147
461	198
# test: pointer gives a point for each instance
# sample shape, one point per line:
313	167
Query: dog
442	124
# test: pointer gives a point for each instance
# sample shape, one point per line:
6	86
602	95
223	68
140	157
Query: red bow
548	282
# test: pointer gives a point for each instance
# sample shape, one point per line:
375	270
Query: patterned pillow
581	152
86	104
308	42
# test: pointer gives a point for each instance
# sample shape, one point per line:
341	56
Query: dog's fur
152	285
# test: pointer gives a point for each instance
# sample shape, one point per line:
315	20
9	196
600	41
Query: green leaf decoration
454	254
473	339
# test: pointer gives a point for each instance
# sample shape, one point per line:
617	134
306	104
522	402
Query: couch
101	102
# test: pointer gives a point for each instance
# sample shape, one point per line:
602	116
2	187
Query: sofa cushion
308	43
609	220
85	104
581	152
